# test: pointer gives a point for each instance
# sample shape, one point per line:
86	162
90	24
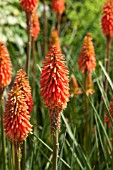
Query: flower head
22	82
75	88
54	39
58	6
54	85
87	61
107	19
35	26
29	5
16	116
5	67
107	118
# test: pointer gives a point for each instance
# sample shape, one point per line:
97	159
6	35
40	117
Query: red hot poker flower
58	6
16	116
29	5
87	61
54	39
35	26
22	82
5	67
107	19
54	86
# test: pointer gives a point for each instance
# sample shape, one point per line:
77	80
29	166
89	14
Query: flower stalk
29	26
45	29
17	156
3	134
86	114
55	150
108	49
55	91
59	21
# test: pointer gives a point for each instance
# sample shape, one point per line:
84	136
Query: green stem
55	150
112	154
33	64
17	156
59	21
108	46
86	116
13	156
45	29
3	135
23	155
29	25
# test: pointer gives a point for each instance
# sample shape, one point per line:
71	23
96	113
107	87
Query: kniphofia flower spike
55	86
17	116
87	61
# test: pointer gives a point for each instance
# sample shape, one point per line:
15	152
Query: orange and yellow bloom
55	85
17	110
87	61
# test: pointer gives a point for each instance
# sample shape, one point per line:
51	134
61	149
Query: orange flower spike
29	5
22	82
107	19
55	86
107	119
75	88
16	116
89	89
54	39
5	67
87	61
35	26
58	6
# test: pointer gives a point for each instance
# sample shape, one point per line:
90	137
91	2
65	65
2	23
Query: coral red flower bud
54	39
55	86
75	88
22	82
5	67
29	5
58	6
87	61
16	116
107	19
35	26
107	118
